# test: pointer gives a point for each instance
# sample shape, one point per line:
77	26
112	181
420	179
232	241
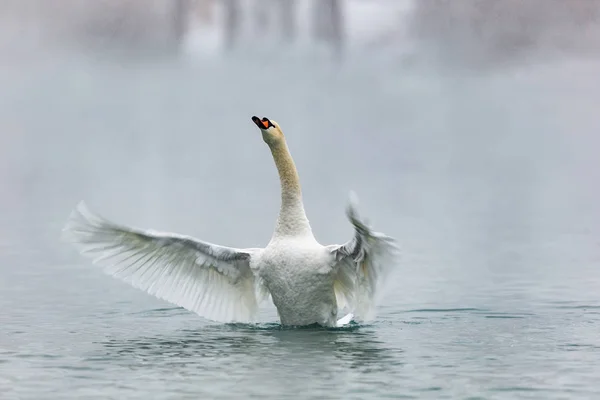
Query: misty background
468	129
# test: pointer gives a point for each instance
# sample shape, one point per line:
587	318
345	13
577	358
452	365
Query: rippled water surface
489	182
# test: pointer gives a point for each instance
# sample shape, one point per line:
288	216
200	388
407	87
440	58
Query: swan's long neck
292	219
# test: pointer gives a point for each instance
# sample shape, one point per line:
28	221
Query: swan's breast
298	276
294	265
295	257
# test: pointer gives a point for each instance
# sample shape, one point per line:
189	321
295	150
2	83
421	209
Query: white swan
308	283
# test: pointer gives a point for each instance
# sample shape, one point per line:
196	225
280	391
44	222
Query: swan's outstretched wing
214	281
362	265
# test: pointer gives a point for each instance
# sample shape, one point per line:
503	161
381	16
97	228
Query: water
489	182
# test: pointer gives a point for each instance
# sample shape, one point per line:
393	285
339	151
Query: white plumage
308	283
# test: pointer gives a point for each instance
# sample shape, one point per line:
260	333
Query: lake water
488	181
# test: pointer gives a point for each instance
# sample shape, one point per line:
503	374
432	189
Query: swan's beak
262	123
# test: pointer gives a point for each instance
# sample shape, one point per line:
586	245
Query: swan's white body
297	274
308	283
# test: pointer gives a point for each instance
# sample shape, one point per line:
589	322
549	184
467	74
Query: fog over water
486	176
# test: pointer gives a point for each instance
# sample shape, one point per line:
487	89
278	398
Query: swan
307	282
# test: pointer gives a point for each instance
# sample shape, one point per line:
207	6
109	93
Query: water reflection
354	348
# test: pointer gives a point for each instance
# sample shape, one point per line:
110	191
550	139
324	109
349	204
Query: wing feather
213	281
362	266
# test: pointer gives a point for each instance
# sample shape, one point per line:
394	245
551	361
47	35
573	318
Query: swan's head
271	132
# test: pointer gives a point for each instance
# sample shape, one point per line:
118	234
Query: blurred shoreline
469	35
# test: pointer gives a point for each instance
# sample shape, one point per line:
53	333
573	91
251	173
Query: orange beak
262	123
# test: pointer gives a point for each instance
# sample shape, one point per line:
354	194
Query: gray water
488	181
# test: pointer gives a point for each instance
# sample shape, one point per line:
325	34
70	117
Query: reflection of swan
308	282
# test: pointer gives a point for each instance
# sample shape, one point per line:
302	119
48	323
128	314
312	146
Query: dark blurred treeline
152	25
466	31
500	31
162	25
